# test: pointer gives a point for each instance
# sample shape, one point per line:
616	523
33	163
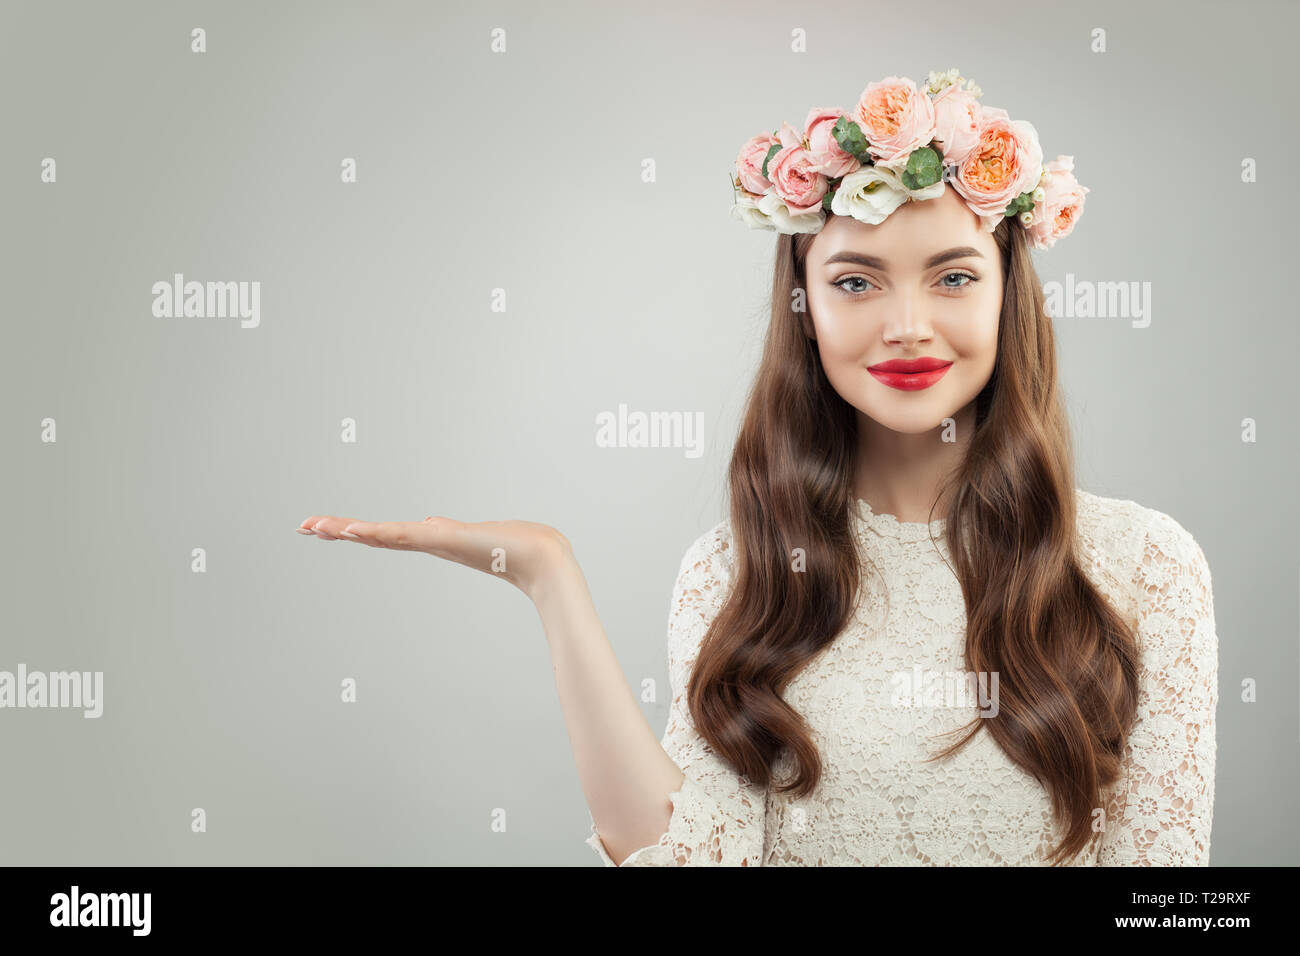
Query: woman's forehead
908	237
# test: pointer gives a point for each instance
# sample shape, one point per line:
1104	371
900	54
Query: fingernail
304	531
348	535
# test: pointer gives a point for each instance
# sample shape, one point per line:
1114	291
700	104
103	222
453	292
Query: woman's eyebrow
874	262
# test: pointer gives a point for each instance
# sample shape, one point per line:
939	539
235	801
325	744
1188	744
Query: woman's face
878	294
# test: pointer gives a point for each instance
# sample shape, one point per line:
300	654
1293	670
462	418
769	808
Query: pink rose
793	179
1061	205
749	164
827	156
957	118
896	118
1005	162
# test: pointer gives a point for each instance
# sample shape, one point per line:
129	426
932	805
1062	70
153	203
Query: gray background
522	171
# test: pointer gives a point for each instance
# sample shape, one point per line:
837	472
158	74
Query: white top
878	801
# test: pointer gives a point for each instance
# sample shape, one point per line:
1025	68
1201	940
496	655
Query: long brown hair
1065	659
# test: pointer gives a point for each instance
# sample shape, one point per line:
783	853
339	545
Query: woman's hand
525	553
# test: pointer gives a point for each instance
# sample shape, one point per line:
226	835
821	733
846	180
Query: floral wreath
903	144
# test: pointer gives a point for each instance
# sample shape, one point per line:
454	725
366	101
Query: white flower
745	208
937	82
869	195
774	208
873	192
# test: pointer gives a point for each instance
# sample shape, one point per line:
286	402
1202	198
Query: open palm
522	552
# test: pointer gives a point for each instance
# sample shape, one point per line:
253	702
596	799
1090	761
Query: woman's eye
841	284
957	275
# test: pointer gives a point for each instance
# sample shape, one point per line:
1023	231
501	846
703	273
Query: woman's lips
909	375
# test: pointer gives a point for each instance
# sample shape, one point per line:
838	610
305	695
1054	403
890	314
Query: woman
907	561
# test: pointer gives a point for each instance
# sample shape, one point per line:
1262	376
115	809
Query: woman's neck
901	473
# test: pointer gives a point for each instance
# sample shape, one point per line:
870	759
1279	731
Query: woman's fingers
436	536
522	552
327	527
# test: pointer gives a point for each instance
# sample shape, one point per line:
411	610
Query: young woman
914	640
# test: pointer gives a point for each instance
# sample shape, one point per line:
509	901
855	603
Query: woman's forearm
625	773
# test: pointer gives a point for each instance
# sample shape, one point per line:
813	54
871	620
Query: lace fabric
879	802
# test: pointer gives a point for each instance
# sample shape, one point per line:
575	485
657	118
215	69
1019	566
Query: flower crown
901	144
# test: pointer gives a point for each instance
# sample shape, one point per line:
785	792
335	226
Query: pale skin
907	309
898	308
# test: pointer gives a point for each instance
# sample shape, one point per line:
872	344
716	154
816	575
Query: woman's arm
626	774
719	816
1162	808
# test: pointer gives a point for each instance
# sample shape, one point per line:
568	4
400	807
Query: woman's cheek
988	343
991	313
975	334
839	336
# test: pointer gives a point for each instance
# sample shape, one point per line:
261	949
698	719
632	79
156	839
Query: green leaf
1020	204
830	195
772	151
850	139
923	168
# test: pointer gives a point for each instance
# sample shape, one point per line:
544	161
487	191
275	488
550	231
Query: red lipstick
910	374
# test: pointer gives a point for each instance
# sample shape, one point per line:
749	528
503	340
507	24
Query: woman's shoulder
1120	522
1127	543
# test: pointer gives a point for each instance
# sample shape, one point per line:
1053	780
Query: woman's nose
906	326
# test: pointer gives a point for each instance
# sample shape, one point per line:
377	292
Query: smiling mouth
909	375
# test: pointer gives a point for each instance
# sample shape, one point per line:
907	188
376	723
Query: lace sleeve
718	816
1160	811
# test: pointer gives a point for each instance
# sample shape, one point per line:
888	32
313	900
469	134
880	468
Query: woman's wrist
559	577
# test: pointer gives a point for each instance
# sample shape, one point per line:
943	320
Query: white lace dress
878	801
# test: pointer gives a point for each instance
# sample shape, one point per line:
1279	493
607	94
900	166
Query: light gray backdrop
522	170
